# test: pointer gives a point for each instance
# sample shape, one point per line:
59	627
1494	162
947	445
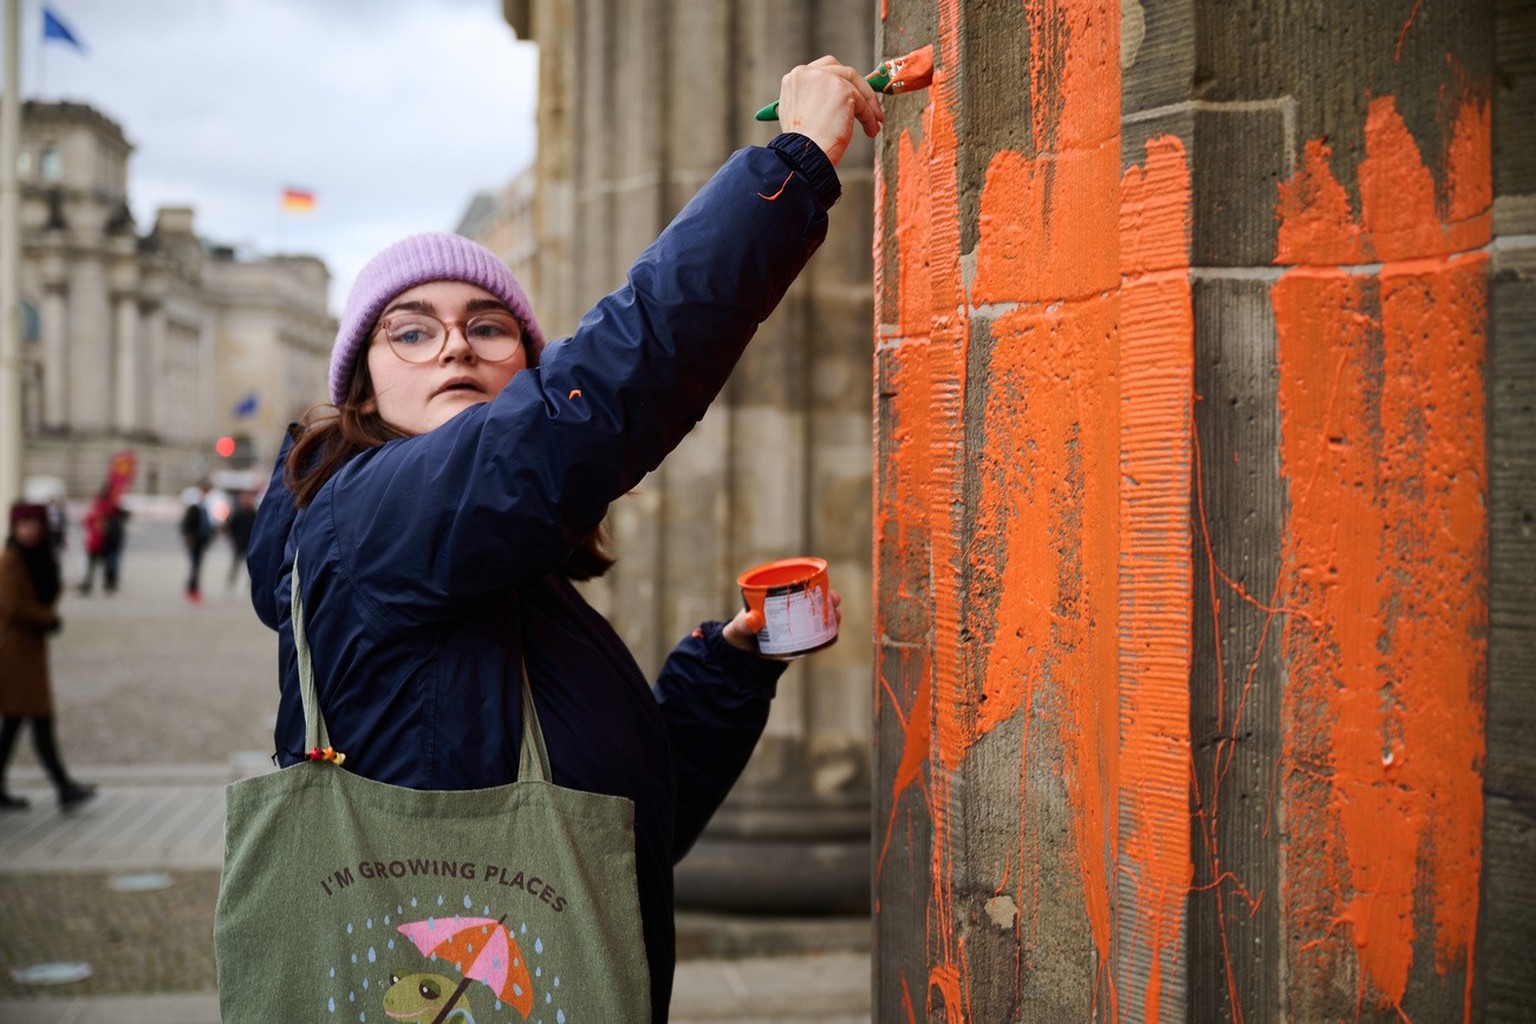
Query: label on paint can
798	621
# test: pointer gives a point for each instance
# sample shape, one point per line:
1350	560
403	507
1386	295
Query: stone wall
1194	435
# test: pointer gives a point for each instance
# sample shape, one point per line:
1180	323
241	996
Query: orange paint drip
1382	414
1156	570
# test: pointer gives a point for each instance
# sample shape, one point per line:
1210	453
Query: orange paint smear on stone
926	380
1156	581
1048	511
1382	417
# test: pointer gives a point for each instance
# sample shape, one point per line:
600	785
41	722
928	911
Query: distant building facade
503	222
157	343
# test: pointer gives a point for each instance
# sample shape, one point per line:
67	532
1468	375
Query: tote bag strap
315	733
533	760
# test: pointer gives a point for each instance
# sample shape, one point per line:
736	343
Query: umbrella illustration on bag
482	950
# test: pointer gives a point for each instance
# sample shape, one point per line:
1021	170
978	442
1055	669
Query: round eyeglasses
419	337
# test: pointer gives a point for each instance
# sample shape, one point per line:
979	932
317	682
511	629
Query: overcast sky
393	112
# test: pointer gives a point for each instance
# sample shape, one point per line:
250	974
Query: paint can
795	600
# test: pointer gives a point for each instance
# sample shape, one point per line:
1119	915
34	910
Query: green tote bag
344	899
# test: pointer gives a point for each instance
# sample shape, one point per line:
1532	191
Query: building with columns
158	343
503	221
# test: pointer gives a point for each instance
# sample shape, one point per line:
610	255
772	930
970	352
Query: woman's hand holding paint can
790	609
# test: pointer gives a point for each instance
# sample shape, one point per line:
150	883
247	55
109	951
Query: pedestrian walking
196	530
106	533
416	552
242	518
29	593
58	527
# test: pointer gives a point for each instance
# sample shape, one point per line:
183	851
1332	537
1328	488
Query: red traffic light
225	446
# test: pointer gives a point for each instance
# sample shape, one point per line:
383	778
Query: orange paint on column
1047	519
927	383
1041	636
1382	413
1156	583
1434	323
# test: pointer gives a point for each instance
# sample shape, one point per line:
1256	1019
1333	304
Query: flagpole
12	443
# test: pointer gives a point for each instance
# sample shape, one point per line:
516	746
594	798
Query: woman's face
420	396
28	532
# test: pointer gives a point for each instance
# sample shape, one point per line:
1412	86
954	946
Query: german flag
298	200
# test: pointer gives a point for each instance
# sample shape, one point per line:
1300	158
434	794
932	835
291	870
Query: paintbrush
899	74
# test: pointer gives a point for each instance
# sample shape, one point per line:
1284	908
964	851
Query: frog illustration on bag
418	998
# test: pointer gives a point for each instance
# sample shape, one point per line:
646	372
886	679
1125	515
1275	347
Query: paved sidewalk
126	881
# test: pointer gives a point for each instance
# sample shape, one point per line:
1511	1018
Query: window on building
51	166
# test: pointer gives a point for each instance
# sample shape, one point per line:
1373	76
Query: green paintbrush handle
878	79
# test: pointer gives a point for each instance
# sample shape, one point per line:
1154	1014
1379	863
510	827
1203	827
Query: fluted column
654	96
126	362
153	312
55	353
127	350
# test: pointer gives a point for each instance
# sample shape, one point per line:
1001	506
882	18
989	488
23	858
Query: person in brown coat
29	590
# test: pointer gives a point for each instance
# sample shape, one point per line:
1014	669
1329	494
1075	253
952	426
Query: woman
439	517
104	536
29	589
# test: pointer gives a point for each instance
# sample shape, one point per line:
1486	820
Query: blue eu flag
54	28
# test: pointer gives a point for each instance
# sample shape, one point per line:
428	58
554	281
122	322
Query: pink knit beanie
418	259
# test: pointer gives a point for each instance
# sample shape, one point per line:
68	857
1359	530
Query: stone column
89	345
1185	461
653	96
55	315
127	350
555	169
1507	925
159	392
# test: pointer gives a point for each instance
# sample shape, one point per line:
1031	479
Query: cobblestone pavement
163	702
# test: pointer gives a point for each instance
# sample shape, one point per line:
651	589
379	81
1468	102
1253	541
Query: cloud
393	112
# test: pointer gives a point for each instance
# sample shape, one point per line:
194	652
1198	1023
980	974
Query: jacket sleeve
714	700
507	489
17	602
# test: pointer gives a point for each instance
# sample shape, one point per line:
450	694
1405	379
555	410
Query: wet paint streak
1156	581
919	504
1397	52
1382	418
1048	253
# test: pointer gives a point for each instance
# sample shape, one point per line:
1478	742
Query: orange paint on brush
910	72
1156	571
1382	415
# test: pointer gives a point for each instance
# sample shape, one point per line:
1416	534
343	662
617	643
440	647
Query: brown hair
330	436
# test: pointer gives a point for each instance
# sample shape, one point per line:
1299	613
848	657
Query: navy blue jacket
430	564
